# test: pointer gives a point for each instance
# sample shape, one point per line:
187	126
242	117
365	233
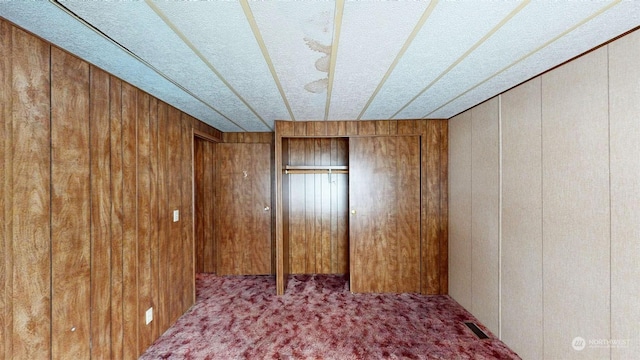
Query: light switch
176	215
149	316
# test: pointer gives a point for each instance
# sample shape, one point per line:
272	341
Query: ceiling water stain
318	86
322	64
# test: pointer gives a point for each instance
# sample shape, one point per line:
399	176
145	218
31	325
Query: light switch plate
149	316
176	215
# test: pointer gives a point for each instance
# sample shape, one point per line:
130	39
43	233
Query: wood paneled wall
318	207
92	169
204	162
434	166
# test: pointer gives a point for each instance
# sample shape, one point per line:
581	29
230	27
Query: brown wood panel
28	179
154	212
384	190
164	215
100	151
130	226
444	206
383	127
6	190
333	128
210	244
204	185
299	128
70	207
366	127
243	177
144	218
174	283
115	115
285	128
187	261
408	229
316	207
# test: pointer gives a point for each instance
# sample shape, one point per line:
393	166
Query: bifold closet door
384	202
243	203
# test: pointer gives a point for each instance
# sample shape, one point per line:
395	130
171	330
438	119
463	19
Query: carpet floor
240	317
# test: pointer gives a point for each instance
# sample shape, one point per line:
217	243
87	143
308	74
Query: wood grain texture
130	225
82	124
70	207
115	116
317	207
384	193
163	315
244	172
6	190
28	319
186	169
175	281
434	152
144	218
204	184
99	149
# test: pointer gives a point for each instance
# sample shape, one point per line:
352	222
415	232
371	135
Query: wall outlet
176	215
149	315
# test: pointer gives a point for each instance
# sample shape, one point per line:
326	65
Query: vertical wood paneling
164	215
576	212
144	218
154	213
407	222
384	185
175	283
244	172
624	112
317	206
70	207
522	220
27	178
70	240
6	191
130	226
115	113
99	150
460	209
204	184
434	152
186	219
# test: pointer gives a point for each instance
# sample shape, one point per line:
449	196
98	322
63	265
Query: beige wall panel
576	206
624	100
485	214
521	325
460	209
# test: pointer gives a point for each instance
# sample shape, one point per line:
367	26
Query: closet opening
315	205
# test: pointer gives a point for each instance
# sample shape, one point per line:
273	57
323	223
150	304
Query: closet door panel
384	197
244	203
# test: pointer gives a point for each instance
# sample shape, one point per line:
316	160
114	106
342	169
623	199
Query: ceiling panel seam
337	23
206	61
265	53
141	60
486	36
554	39
416	29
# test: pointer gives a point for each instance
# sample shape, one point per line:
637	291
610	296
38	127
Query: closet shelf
316	169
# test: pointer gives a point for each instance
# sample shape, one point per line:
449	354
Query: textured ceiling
240	65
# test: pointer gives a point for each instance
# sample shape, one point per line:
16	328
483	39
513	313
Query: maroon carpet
240	317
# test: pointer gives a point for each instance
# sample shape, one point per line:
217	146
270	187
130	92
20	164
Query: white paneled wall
460	209
485	202
624	114
522	219
551	224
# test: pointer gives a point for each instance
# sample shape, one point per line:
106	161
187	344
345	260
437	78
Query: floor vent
476	330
